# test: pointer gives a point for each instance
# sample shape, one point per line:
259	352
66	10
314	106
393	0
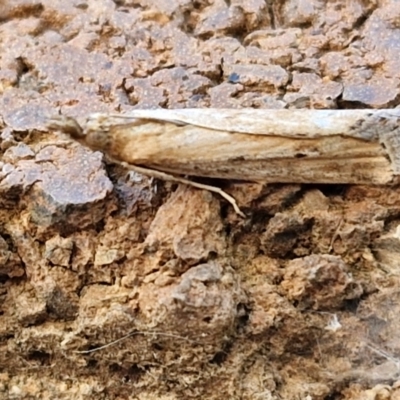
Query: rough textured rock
116	286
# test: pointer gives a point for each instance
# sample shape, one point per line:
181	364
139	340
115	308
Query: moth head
97	131
67	125
94	134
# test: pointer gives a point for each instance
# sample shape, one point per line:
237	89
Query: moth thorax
98	139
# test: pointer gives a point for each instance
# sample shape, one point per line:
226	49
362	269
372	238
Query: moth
285	146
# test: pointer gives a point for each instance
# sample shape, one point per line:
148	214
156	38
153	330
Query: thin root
130	335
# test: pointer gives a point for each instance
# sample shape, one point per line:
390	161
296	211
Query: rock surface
115	286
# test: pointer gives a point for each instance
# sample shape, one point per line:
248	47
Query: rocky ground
122	287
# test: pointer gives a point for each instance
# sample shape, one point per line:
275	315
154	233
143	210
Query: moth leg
172	178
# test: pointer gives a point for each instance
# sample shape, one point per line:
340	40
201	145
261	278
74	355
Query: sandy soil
122	287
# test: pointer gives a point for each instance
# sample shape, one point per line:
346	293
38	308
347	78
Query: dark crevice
270	11
41	357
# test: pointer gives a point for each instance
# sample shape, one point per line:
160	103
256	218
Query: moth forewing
309	146
180	142
364	123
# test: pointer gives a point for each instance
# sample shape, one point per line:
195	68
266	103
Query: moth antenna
140	118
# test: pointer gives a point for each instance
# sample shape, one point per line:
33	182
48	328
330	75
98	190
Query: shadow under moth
285	146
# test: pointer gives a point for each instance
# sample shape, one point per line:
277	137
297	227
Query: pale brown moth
286	146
